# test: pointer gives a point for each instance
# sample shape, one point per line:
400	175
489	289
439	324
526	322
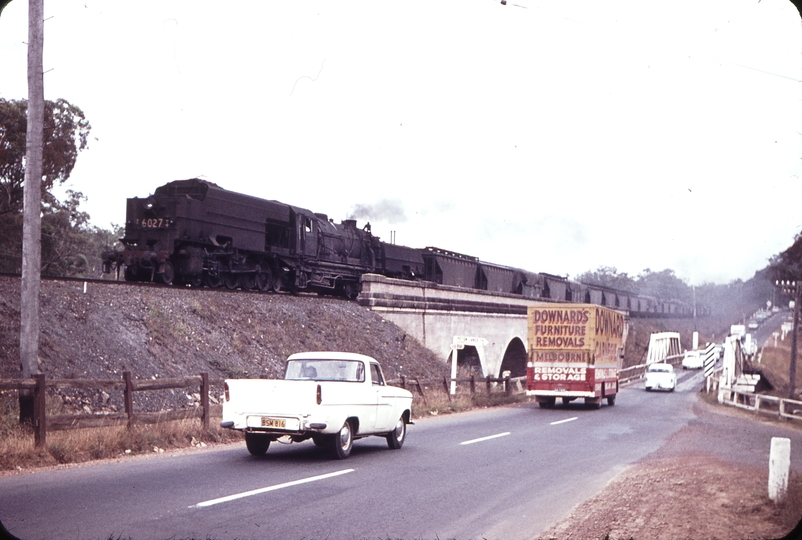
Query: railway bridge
488	329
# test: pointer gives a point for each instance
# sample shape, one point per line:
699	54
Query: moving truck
575	351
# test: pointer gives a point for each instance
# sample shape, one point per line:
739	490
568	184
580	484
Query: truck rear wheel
547	402
257	443
343	441
611	400
593	403
320	440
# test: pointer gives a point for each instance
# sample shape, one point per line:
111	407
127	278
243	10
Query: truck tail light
319	395
227	393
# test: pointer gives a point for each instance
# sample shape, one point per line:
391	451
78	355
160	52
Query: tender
660	376
332	398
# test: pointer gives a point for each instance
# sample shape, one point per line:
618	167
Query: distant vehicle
737	330
692	360
753	325
660	376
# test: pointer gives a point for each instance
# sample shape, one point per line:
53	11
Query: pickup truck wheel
320	440
395	439
257	444
343	441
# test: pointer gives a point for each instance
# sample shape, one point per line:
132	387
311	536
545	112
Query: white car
693	360
330	397
660	376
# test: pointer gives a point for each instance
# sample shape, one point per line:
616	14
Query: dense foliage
738	299
65	134
70	246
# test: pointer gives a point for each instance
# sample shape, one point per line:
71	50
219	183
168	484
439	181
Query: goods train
193	232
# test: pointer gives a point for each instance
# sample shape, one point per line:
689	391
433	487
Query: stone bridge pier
488	330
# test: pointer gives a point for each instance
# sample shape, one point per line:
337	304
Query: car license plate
274	422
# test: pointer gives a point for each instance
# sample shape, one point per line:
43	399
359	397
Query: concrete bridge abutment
488	330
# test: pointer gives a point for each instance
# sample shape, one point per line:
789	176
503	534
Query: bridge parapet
439	315
383	292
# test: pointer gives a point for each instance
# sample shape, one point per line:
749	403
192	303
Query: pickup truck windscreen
325	370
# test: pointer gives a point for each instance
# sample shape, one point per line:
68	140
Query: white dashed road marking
486	438
269	488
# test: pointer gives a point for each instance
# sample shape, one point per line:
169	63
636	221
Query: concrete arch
514	359
469	358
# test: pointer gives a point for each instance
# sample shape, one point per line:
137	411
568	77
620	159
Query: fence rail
508	385
42	422
633	373
761	404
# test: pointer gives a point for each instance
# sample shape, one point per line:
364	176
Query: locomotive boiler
195	232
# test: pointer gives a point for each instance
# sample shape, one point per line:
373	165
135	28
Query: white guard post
779	466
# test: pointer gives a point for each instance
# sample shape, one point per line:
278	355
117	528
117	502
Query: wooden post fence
42	423
39	418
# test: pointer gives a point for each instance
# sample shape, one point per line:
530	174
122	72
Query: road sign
469	340
709	359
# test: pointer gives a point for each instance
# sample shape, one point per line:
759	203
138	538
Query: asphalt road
494	473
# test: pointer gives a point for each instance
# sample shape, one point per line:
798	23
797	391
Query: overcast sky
552	135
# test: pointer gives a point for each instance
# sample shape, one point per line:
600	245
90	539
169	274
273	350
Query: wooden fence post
507	386
487	382
420	389
205	400
403	382
128	394
39	415
473	385
445	386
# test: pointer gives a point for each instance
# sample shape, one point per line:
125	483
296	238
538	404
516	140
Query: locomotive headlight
148	205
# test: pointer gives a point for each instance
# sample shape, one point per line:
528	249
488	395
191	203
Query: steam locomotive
193	232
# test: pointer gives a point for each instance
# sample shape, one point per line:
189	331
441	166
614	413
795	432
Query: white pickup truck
332	398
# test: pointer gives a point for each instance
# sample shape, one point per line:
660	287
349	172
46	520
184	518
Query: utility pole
32	225
794	288
792	367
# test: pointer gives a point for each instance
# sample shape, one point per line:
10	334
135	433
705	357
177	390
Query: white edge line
486	438
563	421
269	488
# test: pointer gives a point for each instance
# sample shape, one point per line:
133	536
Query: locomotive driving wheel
212	280
264	280
231	281
248	281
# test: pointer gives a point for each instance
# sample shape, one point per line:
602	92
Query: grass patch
775	363
18	452
787	511
438	402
